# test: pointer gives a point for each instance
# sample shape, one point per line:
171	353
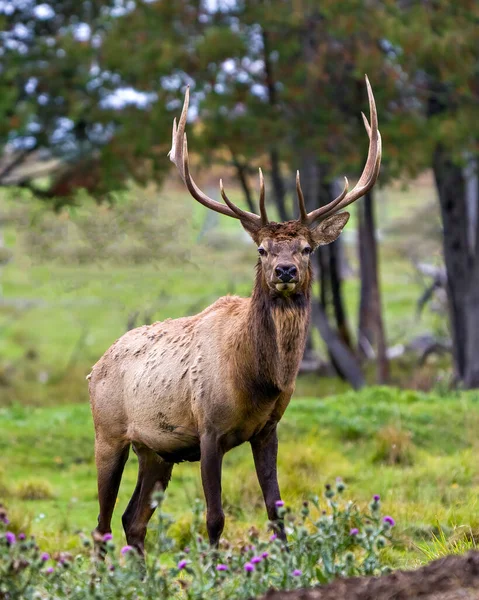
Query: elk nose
286	272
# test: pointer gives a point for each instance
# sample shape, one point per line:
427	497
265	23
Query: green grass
59	315
433	497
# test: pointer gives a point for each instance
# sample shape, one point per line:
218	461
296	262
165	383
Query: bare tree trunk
340	353
331	261
327	262
18	159
461	255
279	188
242	174
371	327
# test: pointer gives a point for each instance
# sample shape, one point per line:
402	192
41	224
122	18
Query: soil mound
450	578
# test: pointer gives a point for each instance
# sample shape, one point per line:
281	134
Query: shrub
394	446
34	489
328	539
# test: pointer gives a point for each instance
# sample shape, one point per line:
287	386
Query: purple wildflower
273	537
22	536
389	521
279	503
265	555
256	559
376	497
297	573
10	537
126	549
49	570
4	519
186	550
44	556
107	537
221	567
249	567
354	531
182	564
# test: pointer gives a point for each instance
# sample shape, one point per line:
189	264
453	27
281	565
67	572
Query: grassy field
419	451
76	280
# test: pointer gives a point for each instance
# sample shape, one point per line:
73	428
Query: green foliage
440	486
327	540
265	75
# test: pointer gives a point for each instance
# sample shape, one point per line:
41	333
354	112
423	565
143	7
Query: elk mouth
285	287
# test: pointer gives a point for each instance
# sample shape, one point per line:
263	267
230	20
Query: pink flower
354	531
44	556
126	549
265	555
376	497
256	559
297	573
49	570
10	537
273	537
389	521
279	503
249	567
221	567
107	537
182	564
21	536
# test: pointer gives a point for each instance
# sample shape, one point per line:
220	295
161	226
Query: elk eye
262	252
307	250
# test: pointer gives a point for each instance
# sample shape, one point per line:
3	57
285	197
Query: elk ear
252	229
329	229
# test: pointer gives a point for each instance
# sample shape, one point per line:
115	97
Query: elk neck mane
271	343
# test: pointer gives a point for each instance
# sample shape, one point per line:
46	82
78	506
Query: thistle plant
327	538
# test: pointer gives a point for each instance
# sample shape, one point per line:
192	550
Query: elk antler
366	181
179	156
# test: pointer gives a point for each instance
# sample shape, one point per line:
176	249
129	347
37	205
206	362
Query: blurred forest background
88	94
98	235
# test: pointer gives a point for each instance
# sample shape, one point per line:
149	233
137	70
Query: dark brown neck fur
274	338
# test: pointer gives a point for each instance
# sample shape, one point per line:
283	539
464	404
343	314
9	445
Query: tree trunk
462	264
371	327
241	172
341	355
279	188
330	262
471	372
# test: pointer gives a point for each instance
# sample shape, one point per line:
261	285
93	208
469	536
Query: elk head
285	248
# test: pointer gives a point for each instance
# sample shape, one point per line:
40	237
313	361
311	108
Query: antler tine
179	156
370	172
239	212
303	213
262	205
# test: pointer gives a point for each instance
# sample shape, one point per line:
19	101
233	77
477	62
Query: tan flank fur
193	388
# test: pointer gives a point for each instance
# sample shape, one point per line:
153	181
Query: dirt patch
450	578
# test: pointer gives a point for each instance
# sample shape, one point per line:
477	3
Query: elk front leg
265	454
211	461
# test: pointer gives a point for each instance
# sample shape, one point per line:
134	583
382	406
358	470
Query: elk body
193	388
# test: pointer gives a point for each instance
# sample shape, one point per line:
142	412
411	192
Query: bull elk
191	389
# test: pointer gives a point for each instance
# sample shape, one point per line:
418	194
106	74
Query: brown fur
196	387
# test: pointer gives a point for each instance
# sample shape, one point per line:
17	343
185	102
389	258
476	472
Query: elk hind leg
153	475
110	458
